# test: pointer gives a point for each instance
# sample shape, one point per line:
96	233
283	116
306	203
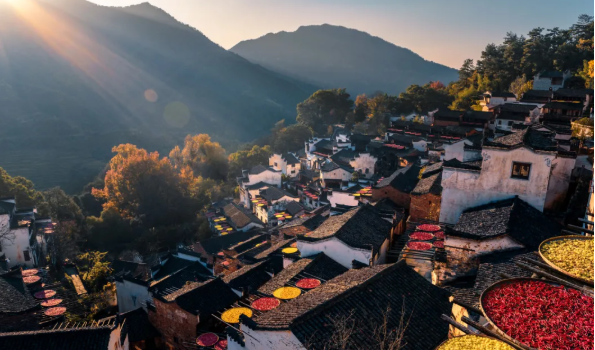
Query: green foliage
323	108
23	190
110	231
292	138
203	156
465	99
587	73
422	99
95	269
62	207
520	85
244	160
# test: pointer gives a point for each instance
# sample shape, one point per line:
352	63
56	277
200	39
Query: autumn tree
437	85
323	108
520	85
361	108
139	185
205	157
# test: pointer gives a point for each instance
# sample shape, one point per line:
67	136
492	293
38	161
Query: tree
110	231
96	269
64	242
323	108
61	207
436	85
361	108
292	138
23	190
465	72
244	160
587	73
139	185
520	85
205	157
465	99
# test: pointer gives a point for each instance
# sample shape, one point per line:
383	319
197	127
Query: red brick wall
399	198
174	324
425	207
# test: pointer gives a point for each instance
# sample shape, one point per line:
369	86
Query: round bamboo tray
510	280
553	266
476	335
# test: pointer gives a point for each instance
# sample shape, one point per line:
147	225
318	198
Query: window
276	164
367	171
26	255
499	122
557	81
520	170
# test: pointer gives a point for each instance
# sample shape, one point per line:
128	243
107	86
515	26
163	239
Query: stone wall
399	198
177	326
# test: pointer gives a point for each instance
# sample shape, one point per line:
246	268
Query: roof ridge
52	331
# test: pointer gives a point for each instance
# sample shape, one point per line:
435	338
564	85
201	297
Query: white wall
463	189
282	166
336	250
487	246
267	176
337	174
454	151
342	198
15	243
126	291
265	340
364	161
559	182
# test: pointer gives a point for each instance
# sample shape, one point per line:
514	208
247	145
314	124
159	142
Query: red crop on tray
30	272
221	345
44	294
55	311
265	304
31	279
421	236
419	245
439	244
51	302
207	339
542	315
439	235
308	283
428	227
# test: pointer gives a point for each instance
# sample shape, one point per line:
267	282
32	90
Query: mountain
334	56
77	78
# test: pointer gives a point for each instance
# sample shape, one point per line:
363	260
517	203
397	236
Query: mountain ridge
327	54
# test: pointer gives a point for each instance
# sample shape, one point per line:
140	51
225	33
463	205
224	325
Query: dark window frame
27	255
520	176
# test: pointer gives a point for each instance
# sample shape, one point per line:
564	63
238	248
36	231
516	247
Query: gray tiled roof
14	295
96	338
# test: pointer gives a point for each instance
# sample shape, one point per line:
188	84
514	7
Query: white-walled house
20	242
518	164
361	234
287	163
464	150
334	174
364	163
550	79
257	175
491	99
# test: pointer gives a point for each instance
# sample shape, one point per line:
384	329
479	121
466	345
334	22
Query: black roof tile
139	327
239	216
429	184
249	277
14	295
204	299
362	227
96	338
216	244
513	217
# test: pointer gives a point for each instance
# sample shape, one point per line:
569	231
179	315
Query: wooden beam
586	221
578	228
491	333
459	326
468	306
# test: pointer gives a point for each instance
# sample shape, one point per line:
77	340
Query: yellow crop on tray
473	342
287	293
574	256
233	315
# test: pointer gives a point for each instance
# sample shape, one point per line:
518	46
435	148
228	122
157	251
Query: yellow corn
473	342
571	255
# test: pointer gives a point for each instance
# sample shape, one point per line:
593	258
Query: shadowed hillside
77	79
333	56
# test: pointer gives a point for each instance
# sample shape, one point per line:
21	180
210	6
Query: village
355	241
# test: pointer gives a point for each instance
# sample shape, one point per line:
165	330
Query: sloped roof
257	169
528	137
447	114
302	225
457	164
239	216
502	94
290	158
582	93
429	184
257	186
319	265
516	107
366	294
273	193
403	180
173	264
576	106
249	277
362	227
272	248
513	217
294	207
195	272
478	115
139	327
14	295
204	299
91	338
506	115
216	244
551	74
344	156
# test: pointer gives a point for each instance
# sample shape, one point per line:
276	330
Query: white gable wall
336	250
500	243
463	189
131	296
364	162
261	340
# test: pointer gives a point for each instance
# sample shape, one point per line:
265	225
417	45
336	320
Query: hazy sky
444	31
